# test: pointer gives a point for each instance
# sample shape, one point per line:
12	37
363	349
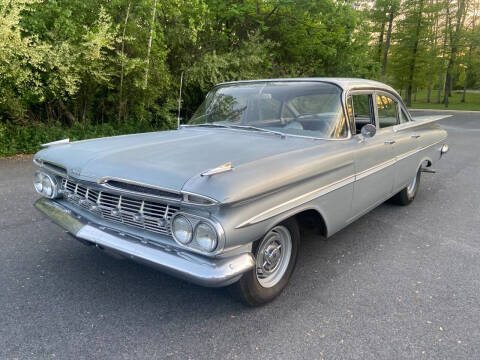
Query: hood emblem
75	171
218	170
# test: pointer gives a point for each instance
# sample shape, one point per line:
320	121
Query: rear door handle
415	136
389	142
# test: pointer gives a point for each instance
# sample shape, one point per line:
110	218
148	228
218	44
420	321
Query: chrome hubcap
273	256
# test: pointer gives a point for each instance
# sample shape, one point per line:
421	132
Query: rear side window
387	111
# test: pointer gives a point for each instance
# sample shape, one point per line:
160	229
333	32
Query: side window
403	116
360	111
387	111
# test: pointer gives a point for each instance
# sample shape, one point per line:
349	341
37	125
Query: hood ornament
58	142
218	170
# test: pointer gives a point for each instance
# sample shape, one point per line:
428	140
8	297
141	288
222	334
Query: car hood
169	159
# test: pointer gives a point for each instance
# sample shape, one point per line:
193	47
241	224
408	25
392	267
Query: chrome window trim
342	104
362	91
379	92
312	195
373	90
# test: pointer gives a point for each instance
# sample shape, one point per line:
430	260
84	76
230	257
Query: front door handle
415	136
389	142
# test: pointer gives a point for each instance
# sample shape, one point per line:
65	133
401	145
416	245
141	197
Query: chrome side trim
212	272
300	200
374	169
305	198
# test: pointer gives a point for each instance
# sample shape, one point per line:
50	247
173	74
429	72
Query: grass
472	101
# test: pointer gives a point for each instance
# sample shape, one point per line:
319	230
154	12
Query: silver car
221	200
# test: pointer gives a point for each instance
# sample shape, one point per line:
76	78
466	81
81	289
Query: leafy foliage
95	67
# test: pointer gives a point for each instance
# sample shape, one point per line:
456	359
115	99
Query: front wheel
407	194
275	258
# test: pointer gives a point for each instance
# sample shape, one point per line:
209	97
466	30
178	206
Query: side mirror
368	130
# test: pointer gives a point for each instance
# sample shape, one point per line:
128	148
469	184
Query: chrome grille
144	214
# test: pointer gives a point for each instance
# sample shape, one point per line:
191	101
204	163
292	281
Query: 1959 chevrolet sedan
221	200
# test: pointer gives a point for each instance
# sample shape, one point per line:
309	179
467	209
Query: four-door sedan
221	200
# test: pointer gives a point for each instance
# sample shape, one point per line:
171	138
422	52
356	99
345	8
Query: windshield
298	108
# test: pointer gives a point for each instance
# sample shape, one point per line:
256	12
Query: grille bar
143	214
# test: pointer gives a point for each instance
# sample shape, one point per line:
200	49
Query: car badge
75	171
218	170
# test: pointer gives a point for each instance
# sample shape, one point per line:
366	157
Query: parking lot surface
399	283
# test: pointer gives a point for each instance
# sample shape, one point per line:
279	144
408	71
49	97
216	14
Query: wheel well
312	219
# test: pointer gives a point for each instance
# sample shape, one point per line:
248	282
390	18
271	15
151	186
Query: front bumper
212	272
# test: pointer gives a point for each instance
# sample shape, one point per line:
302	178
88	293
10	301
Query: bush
27	139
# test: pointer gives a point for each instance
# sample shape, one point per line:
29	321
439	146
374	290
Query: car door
374	156
405	148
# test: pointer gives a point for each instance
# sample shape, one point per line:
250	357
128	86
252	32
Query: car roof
344	83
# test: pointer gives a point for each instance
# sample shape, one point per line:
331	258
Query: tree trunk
429	92
414	53
120	102
469	61
442	76
71	119
387	42
454	38
464	93
149	47
380	41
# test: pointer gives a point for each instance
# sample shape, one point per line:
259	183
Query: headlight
38	182
205	236
182	229
45	185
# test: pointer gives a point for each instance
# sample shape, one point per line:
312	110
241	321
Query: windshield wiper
214	125
249	127
241	127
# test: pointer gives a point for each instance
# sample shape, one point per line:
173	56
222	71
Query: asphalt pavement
399	283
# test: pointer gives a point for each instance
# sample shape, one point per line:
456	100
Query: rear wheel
275	258
407	195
